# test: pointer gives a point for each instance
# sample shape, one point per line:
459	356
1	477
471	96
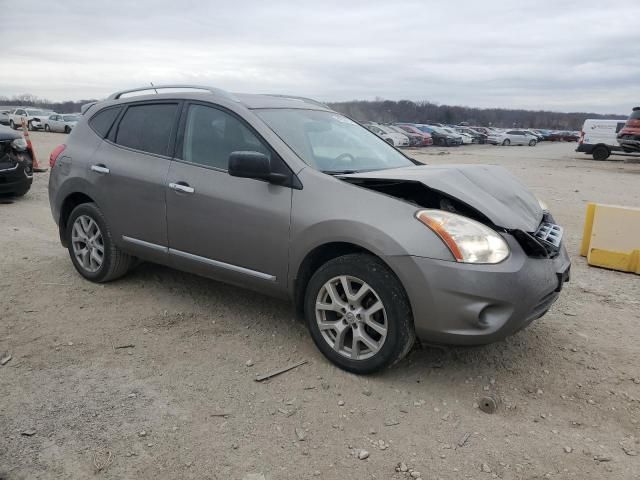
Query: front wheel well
71	202
314	260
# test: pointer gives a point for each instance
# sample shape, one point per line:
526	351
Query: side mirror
254	165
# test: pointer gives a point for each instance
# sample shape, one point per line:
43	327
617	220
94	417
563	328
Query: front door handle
100	169
181	187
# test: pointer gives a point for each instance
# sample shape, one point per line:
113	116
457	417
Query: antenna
154	88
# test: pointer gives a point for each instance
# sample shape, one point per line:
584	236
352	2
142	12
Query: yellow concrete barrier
611	237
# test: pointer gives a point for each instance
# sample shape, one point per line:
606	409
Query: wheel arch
70	202
317	257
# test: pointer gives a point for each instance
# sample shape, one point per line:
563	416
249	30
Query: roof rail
216	91
293	97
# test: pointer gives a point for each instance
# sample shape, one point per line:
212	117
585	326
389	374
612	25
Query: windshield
70	118
330	142
36	112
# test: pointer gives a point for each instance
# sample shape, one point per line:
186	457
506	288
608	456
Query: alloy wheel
87	243
351	317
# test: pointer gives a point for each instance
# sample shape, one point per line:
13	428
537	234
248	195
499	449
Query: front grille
544	242
549	234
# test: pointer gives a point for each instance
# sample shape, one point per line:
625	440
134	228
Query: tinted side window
101	122
147	127
211	135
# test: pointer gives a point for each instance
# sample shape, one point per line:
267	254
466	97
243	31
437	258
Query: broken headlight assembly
19	144
468	240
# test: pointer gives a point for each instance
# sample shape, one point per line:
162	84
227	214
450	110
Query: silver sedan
60	123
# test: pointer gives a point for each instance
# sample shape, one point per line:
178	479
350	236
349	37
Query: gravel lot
182	402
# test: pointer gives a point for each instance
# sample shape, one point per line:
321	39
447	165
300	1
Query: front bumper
15	178
629	141
466	304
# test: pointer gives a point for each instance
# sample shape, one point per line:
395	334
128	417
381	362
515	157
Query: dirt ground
181	401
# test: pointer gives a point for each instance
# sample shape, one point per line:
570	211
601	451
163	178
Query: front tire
532	143
46	127
12	124
358	314
91	247
67	130
506	142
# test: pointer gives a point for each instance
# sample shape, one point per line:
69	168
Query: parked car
373	247
545	134
391	137
629	136
478	136
426	137
512	137
415	140
598	138
441	137
486	130
465	138
534	134
563	136
59	122
16	163
33	116
4	117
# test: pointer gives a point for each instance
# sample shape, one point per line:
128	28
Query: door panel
129	173
230	228
132	196
240	222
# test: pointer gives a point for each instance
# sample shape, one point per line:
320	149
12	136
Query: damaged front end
16	164
486	194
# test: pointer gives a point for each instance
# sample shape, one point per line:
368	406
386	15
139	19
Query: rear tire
113	264
506	142
600	153
442	142
67	130
12	124
394	316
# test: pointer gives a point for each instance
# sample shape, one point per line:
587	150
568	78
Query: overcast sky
539	54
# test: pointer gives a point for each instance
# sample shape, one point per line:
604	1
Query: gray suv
286	197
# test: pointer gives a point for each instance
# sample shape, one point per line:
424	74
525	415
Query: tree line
388	111
28	100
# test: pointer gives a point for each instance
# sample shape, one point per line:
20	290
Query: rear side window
101	122
147	127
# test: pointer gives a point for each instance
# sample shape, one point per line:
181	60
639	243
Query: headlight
469	241
543	205
19	144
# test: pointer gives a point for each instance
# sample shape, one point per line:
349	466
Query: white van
598	138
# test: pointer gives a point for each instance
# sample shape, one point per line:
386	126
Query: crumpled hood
489	189
7	133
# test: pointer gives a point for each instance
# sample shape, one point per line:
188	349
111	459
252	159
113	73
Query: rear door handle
100	169
181	187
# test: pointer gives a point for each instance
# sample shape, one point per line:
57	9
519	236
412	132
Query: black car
16	163
4	117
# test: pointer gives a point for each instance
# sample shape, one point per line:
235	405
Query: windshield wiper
339	172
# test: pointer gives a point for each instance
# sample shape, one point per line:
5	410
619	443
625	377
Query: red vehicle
426	138
629	136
